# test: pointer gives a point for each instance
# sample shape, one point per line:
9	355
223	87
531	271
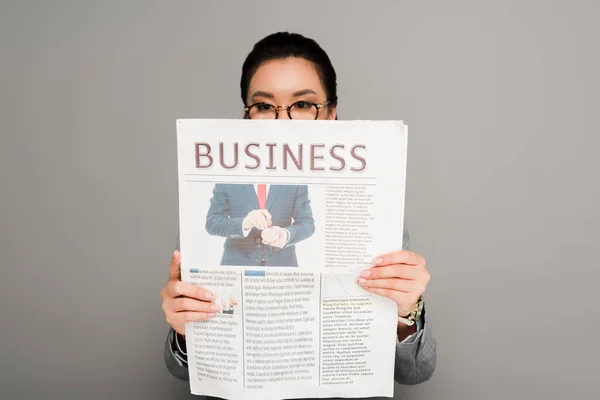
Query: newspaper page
277	219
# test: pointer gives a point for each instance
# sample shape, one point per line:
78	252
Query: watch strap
414	314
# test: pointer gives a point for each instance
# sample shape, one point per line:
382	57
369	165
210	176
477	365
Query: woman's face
287	81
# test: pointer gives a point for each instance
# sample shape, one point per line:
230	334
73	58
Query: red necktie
262	195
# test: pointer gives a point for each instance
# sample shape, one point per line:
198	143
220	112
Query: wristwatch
414	315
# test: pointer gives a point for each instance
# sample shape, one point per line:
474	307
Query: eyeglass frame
318	106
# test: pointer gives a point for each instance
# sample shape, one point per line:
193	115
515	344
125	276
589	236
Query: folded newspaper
277	219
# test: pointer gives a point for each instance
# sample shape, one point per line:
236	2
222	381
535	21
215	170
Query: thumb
174	267
267	215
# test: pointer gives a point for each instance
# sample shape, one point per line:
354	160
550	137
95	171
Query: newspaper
277	219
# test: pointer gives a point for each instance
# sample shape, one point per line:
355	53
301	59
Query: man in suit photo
262	223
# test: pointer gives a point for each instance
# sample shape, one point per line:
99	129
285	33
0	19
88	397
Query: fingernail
365	274
361	281
212	314
208	295
378	260
215	307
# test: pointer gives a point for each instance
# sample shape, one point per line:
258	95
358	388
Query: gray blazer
289	206
415	357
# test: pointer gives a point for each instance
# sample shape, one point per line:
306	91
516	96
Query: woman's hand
184	302
400	276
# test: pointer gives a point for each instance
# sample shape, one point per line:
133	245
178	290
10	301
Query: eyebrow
262	94
268	95
304	92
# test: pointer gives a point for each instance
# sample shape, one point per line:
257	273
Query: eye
263	107
304	105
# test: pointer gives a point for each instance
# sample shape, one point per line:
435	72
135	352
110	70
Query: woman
290	76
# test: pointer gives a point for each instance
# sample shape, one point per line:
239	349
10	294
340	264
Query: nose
282	113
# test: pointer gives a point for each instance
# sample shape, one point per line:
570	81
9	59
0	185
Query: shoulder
300	188
226	187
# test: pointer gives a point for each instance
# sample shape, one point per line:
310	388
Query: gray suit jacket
289	206
415	357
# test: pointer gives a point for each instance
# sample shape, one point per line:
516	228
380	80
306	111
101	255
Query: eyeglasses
298	110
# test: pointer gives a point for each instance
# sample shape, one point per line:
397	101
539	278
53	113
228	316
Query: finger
266	221
174	268
178	288
260	221
392	271
400	285
252	219
265	212
281	238
255	221
188	304
398	297
399	257
267	215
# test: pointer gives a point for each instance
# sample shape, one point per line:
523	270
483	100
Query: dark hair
282	45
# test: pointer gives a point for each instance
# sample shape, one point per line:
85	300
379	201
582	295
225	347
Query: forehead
284	77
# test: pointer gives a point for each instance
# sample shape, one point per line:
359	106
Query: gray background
501	99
